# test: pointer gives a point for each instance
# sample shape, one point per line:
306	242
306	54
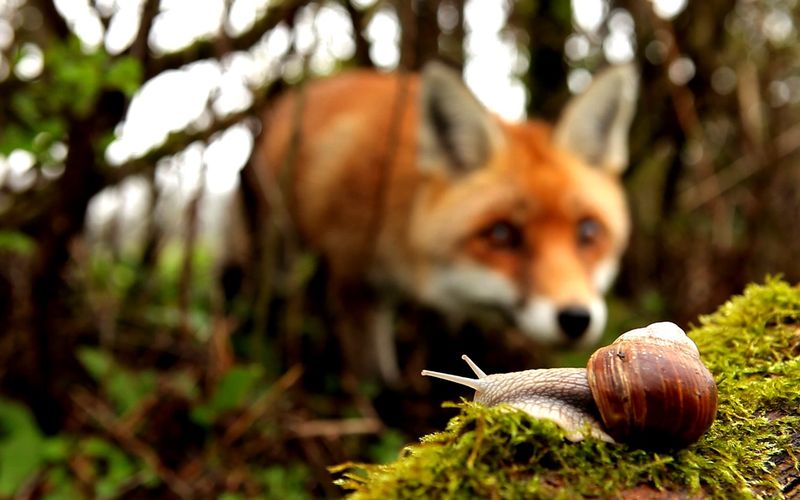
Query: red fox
408	187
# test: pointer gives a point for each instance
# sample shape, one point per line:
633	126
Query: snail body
648	388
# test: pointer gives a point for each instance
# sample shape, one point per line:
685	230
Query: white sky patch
490	60
577	47
578	80
363	4
681	71
123	27
6	34
383	32
243	14
589	14
225	157
130	197
304	38
668	9
233	93
324	34
169	102
778	26
335	31
91	30
181	22
30	63
618	47
268	53
21	174
83	20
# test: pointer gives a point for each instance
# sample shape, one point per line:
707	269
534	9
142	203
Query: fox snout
573	324
574	321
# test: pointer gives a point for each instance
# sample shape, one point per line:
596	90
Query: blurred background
126	370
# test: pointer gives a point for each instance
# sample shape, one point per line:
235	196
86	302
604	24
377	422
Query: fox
410	189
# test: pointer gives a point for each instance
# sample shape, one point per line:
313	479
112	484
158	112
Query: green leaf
25	106
16	242
125	74
113	468
60	485
56	449
21	446
235	386
98	363
13	137
287	482
232	391
127	388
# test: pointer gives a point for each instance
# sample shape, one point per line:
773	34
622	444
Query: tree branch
208	48
175	143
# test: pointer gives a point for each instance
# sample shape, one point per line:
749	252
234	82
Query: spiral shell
652	389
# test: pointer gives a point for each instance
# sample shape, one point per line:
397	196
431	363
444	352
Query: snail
648	388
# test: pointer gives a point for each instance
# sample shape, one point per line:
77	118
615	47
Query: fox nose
574	320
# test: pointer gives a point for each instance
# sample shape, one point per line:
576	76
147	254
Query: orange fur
356	170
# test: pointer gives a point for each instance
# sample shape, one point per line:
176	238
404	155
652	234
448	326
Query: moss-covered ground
751	345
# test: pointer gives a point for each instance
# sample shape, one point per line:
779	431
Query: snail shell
652	389
649	388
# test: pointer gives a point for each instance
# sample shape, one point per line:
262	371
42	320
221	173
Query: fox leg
383	340
365	328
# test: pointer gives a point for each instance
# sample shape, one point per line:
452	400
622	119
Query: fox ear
595	124
456	132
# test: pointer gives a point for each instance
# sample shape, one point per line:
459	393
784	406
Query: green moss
751	344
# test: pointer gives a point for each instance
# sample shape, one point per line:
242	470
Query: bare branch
52	18
208	48
139	48
105	418
337	428
176	143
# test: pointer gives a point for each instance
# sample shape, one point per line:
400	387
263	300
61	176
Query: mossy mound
751	345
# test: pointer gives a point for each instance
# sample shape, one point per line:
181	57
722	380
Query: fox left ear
457	134
595	124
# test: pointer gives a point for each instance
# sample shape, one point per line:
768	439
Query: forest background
126	125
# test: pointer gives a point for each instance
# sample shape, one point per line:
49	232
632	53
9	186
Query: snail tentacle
478	372
469	382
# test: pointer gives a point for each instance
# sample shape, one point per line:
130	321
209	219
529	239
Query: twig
138	48
220	350
187	267
714	185
177	142
263	405
97	410
318	461
209	47
336	428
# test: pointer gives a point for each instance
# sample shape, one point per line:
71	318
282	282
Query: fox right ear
595	125
456	132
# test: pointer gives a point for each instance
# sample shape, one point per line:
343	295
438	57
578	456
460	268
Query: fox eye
503	235
588	231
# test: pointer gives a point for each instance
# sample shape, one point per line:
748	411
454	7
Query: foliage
157	389
69	88
116	444
751	345
16	242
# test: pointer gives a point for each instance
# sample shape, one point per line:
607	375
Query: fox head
526	220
